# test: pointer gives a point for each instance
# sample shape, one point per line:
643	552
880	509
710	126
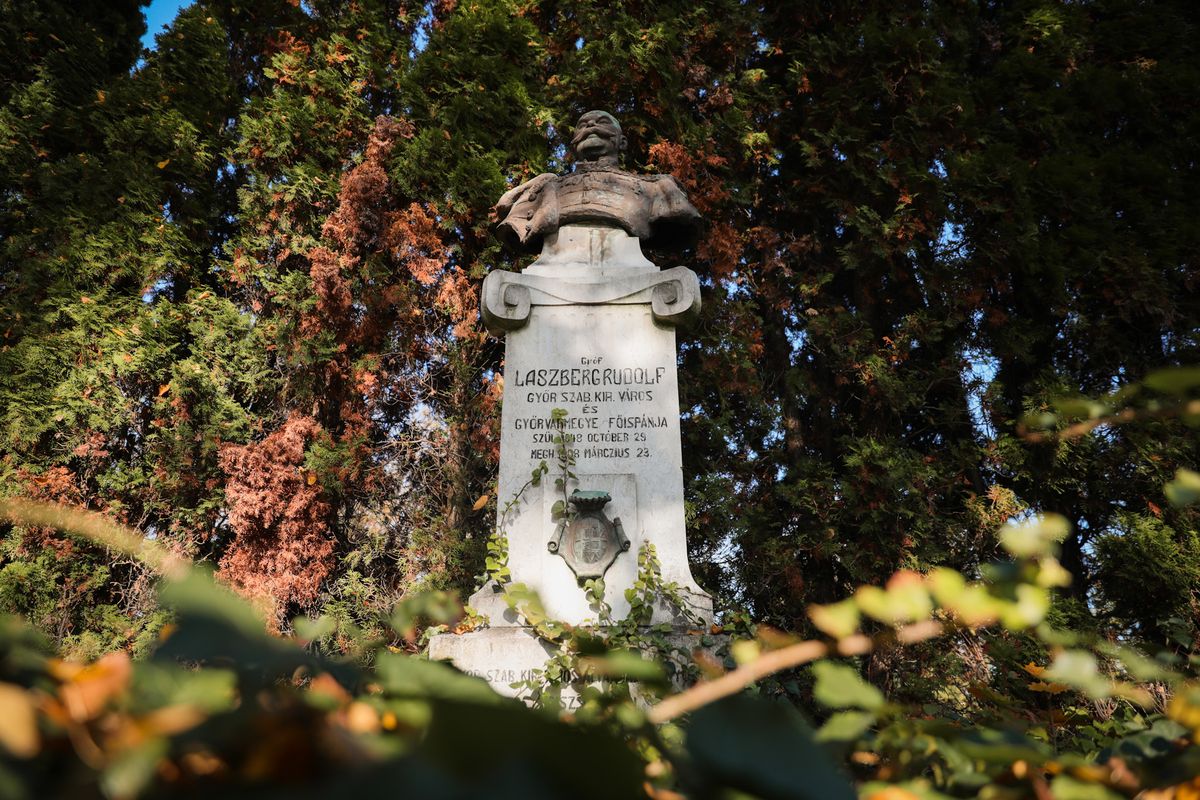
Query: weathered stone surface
504	656
508	297
612	369
590	330
652	208
501	656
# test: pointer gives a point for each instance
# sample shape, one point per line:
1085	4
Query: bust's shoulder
662	184
522	191
666	180
533	183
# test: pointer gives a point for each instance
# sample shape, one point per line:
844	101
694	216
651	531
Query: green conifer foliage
240	280
110	185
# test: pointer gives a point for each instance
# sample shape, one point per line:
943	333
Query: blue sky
159	13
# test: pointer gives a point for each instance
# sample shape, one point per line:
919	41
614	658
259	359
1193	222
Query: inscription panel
612	369
615	412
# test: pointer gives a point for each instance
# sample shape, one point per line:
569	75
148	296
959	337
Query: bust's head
598	138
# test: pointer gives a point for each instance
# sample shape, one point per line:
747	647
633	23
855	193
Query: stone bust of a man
651	208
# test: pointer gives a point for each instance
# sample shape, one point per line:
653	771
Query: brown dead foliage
358	220
413	238
329	285
56	485
282	547
699	173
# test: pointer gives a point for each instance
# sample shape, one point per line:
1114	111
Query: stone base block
501	656
490	602
506	655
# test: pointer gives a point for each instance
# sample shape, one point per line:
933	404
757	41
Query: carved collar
592	166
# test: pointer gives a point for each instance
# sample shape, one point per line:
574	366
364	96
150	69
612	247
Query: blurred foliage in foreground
221	706
238	293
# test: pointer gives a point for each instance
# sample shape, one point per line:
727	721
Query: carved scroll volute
507	297
505	303
677	301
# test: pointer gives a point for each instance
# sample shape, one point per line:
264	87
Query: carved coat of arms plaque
588	541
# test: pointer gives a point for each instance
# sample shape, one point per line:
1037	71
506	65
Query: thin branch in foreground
774	661
1188	409
96	528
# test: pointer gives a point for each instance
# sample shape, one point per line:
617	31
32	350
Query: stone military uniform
652	208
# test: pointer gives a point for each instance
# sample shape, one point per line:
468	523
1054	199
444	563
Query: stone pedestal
590	330
501	656
509	655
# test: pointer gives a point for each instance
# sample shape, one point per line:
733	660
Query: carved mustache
580	136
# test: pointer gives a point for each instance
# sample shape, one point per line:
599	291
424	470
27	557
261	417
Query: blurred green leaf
132	771
520	597
1039	536
845	726
1064	787
730	742
434	606
946	585
1079	670
1001	747
198	596
408	676
1040	421
623	665
840	686
312	630
158	685
528	755
1029	608
216	627
1185	489
1080	408
1173	380
837	620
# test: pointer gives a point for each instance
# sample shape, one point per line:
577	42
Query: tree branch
778	660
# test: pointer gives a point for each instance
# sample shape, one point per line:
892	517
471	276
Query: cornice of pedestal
509	297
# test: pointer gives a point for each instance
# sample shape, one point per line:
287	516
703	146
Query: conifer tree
240	279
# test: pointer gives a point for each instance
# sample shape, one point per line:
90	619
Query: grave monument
590	331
